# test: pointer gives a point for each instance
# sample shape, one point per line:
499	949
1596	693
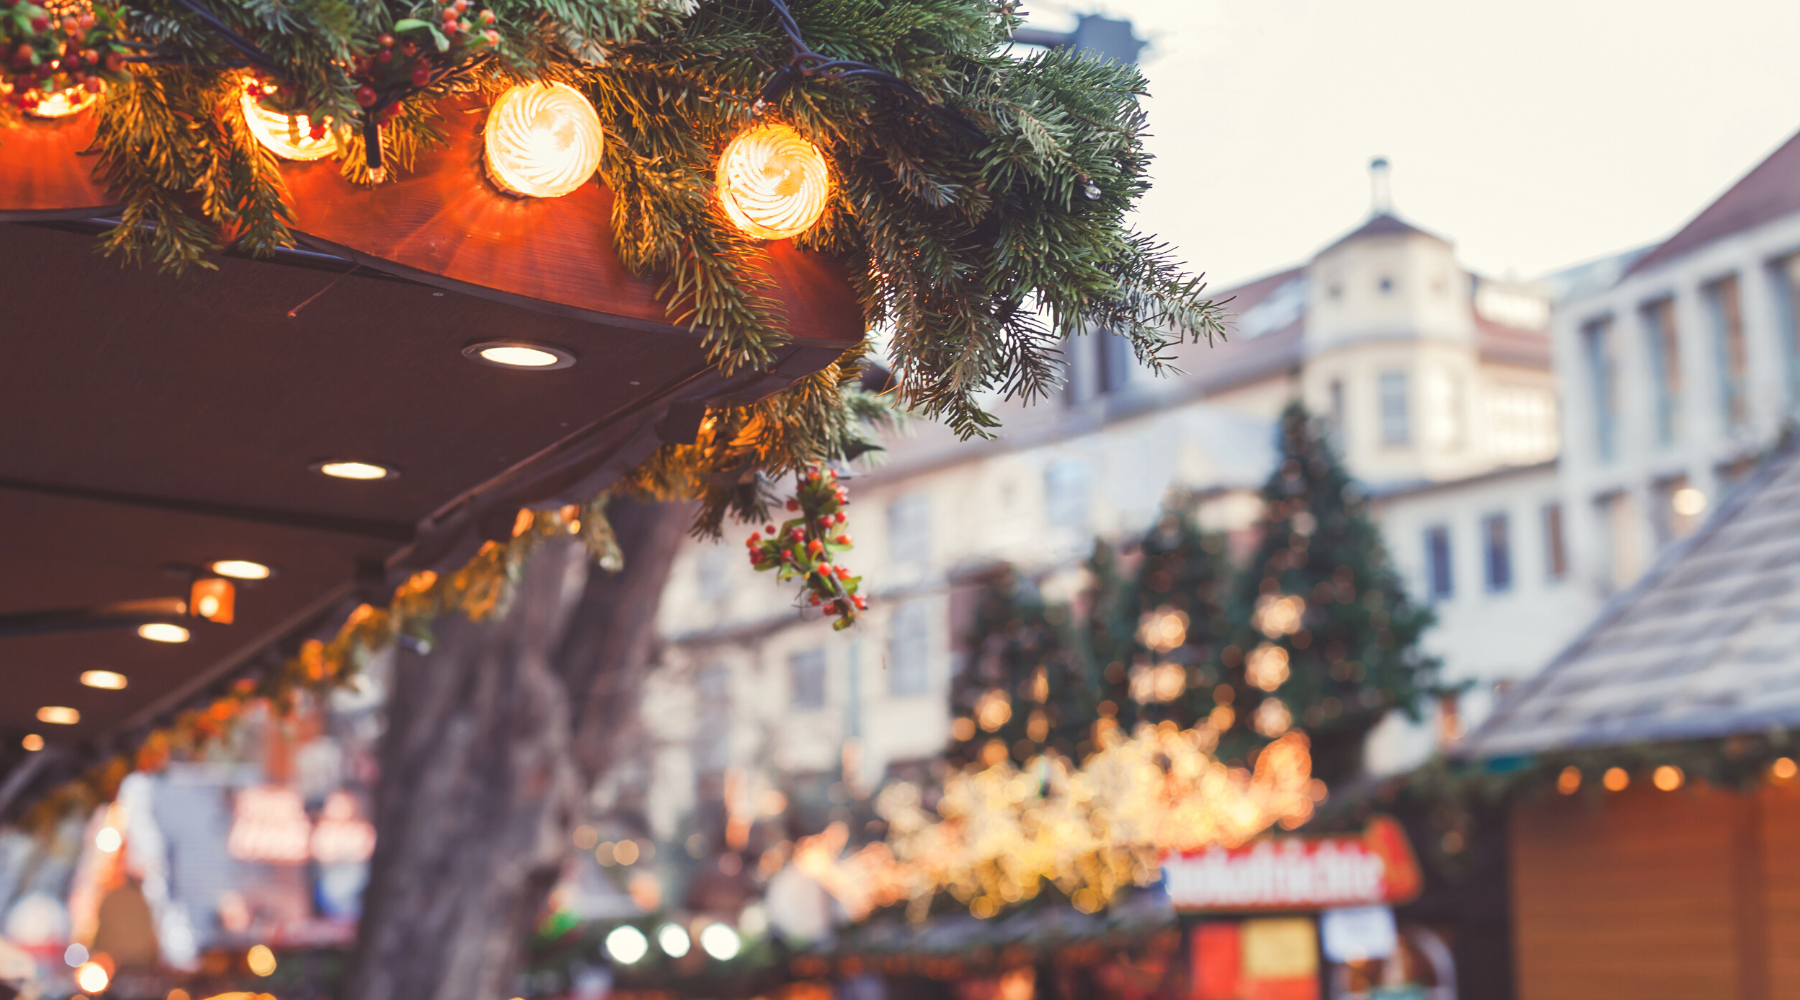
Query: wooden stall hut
1659	857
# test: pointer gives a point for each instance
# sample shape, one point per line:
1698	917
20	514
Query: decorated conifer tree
1138	645
1323	636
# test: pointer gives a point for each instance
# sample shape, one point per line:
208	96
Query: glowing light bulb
32	742
92	977
542	140
673	940
107	680
287	136
772	182
353	470
241	569
260	960
720	941
163	632
109	839
63	103
58	715
627	944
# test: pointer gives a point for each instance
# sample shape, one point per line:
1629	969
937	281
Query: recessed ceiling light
519	354
32	742
163	632
241	569
58	715
105	679
354	470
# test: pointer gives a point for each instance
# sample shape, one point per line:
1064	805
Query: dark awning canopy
156	422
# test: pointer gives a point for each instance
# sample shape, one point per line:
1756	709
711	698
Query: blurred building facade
1680	373
1437	382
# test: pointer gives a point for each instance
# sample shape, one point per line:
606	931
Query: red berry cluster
47	54
804	546
445	33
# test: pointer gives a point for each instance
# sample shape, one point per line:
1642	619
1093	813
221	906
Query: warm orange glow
625	852
1668	777
1784	768
354	470
241	569
213	599
542	140
32	742
58	715
1615	779
1267	667
106	680
287	136
261	960
64	103
92	977
772	182
163	632
1569	781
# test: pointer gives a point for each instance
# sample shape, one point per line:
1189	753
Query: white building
1437	381
1680	374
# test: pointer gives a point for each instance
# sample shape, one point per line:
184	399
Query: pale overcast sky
1534	133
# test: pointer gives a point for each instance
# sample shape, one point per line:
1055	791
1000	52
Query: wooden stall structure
1641	879
158	425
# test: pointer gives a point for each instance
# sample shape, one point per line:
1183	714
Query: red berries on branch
804	547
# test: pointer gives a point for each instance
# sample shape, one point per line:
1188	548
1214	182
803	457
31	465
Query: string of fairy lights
541	140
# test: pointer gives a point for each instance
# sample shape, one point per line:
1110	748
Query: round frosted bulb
241	569
542	140
772	182
163	632
673	940
353	470
64	103
287	136
720	941
627	944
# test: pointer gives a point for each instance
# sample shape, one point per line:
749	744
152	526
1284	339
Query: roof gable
1770	190
1706	645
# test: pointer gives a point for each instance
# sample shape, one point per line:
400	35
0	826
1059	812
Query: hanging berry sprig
804	547
48	54
443	37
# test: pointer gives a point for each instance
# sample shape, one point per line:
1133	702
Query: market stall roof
158	423
1706	645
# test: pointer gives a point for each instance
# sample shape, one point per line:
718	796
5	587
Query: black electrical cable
806	62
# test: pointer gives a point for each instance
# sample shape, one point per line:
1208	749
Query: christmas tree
1324	637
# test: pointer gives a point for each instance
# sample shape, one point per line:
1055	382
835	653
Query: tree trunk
481	778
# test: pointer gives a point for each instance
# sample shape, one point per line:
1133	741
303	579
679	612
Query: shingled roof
1769	191
1706	645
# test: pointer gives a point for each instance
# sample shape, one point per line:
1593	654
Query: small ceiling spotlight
58	715
163	632
106	680
241	569
519	354
345	469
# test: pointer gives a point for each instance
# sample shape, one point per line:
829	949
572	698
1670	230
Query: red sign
1297	873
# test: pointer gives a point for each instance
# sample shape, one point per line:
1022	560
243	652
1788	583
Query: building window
1665	368
1786	273
1336	390
909	649
1066	492
1723	303
806	678
1603	382
1497	548
1396	429
1556	552
909	529
712	751
1439	580
1619	533
1114	353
